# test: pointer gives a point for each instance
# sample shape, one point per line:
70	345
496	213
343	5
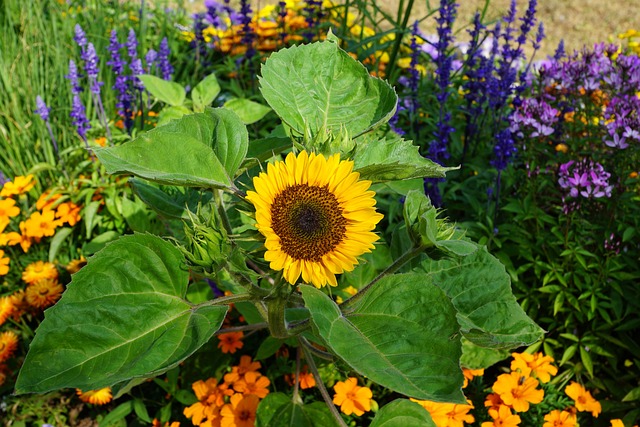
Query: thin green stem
319	353
323	390
296	386
397	264
243	328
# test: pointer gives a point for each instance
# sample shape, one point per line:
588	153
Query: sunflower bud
207	242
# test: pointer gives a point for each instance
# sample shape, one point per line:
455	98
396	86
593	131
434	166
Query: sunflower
8	345
316	216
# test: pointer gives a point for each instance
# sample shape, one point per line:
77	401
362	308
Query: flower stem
323	390
397	264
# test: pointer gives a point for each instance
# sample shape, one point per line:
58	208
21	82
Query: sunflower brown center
308	220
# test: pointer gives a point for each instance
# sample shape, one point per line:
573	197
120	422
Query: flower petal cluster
502	417
352	398
19	185
316	215
584	401
95	397
585	178
8	345
557	418
230	342
537	365
518	391
447	414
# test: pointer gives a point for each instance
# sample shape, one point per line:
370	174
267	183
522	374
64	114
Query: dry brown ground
578	22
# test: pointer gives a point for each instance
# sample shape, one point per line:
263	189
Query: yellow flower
558	418
352	398
253	383
583	399
75	265
502	417
306	380
517	391
96	397
617	423
68	212
8	209
39	270
537	365
4	263
241	412
230	342
41	224
19	185
43	293
47	200
246	365
315	215
8	345
6	308
469	374
447	414
563	148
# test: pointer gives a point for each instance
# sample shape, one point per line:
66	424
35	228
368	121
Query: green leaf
117	414
380	160
167	114
57	240
480	290
402	413
277	410
632	395
168	92
586	360
182	152
475	357
231	137
384	336
248	111
318	86
123	316
205	92
99	242
169	201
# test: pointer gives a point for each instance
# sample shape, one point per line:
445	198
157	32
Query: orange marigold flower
537	365
246	365
230	342
4	221
502	417
43	293
19	185
47	200
6	308
4	263
8	208
210	400
20	304
617	423
68	212
493	400
352	398
8	345
253	383
39	270
583	399
96	397
241	412
469	374
447	414
517	391
10	239
306	380
41	224
75	265
557	418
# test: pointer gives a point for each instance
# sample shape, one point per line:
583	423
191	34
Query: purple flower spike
74	78
79	116
163	63
132	44
79	36
41	109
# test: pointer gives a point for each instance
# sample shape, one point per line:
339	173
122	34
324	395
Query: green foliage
402	413
277	410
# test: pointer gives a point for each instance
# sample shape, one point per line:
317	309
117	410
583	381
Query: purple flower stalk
165	67
248	34
150	60
74	78
80	37
79	118
43	111
132	44
124	98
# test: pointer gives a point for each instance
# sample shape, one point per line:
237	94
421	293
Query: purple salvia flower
528	21
132	44
79	117
3	179
74	78
503	150
150	60
136	70
248	34
41	109
116	62
91	68
540	35
165	67
79	36
414	73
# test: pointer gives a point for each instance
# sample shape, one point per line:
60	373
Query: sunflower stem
323	390
349	304
275	311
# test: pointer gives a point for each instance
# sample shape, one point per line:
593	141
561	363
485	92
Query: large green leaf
122	316
278	410
205	92
480	289
402	413
248	111
393	159
401	334
169	92
198	150
320	87
170	201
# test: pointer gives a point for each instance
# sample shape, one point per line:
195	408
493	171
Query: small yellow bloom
8	345
469	374
47	200
4	263
558	418
19	185
562	148
210	401
502	417
518	391
617	423
96	397
537	365
8	208
68	212
230	342
352	398
43	293
253	383
6	308
584	401
39	270
240	412
41	224
447	414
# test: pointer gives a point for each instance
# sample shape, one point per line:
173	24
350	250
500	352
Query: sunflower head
316	216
